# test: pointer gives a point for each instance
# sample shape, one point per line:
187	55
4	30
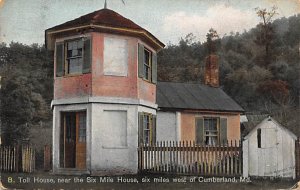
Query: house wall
71	86
167	126
112	137
107	85
112	83
188	124
56	133
108	155
276	157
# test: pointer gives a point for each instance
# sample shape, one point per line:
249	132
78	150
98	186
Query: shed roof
104	20
253	121
171	95
270	119
256	119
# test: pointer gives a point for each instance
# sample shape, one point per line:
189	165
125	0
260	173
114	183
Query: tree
212	42
276	90
26	90
265	35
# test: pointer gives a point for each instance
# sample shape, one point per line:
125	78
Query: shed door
269	152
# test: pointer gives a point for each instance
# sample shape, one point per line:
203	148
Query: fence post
47	157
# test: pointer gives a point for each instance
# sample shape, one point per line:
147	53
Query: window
115	56
259	138
73	57
211	131
114	134
147	64
147	128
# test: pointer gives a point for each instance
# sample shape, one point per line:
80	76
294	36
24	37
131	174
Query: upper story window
73	57
147	64
115	56
211	130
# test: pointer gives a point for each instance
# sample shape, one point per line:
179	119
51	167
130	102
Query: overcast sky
26	20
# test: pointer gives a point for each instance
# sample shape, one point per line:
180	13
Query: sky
25	21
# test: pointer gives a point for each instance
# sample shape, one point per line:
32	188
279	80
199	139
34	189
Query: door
73	140
269	146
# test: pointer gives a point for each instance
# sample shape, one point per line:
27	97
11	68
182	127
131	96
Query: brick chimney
211	74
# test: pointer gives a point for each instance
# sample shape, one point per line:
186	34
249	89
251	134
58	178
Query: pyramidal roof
104	20
104	17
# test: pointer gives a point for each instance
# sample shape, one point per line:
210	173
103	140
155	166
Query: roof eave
201	110
49	40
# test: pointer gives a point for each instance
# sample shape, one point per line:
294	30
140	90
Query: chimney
211	73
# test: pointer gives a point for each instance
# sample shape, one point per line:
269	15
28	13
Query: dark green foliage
243	68
26	89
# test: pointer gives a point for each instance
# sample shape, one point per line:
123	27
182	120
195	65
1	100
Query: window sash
147	64
74	56
147	128
211	131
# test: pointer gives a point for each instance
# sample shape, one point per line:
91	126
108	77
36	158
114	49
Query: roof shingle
107	21
194	96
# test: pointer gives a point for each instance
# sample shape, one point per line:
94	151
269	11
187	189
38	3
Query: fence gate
189	158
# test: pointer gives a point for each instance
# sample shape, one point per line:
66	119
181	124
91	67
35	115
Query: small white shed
269	151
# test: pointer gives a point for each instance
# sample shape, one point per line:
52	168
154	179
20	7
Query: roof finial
105	5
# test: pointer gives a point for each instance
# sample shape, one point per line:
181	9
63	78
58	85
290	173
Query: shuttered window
211	131
147	64
73	57
147	128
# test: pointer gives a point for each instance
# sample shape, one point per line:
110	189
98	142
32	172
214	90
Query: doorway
73	140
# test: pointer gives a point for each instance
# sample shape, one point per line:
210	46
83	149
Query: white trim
178	126
107	100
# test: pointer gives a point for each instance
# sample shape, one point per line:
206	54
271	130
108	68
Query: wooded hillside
260	83
256	84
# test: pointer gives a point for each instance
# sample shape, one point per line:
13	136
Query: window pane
75	65
70	45
82	127
206	124
147	57
80	44
69	53
74	52
75	45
